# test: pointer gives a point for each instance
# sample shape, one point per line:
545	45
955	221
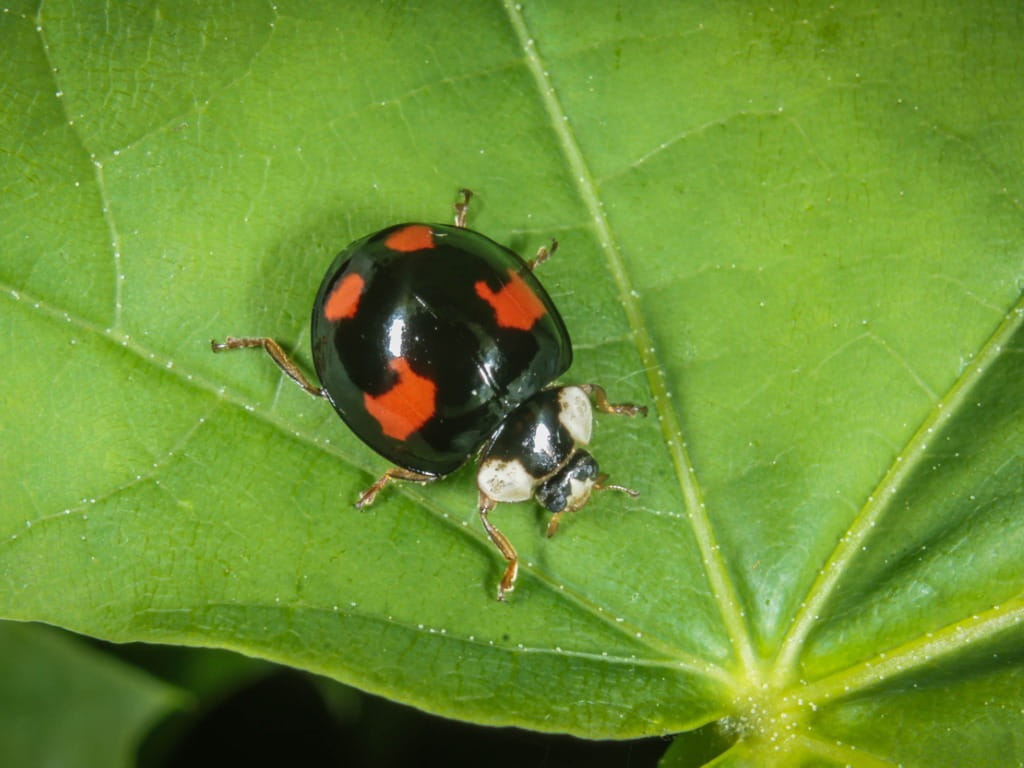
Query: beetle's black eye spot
552	494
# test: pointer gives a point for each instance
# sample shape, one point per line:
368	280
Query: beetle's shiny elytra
426	337
436	344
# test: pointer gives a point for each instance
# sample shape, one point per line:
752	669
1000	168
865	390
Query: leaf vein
878	503
717	573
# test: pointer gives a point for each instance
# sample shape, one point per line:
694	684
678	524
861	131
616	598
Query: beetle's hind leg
277	354
462	206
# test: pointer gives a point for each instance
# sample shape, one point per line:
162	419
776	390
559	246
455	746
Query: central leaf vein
717	573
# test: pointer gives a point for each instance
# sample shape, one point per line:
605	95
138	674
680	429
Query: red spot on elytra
407	406
343	302
515	304
415	237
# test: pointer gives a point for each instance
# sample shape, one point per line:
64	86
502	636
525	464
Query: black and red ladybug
436	344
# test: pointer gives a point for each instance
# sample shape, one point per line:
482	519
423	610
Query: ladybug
436	344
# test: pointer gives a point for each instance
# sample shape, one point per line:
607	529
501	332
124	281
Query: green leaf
63	703
795	232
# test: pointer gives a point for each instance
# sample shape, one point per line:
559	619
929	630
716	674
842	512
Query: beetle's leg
600	397
277	354
543	254
461	207
597	392
600	484
367	497
508	579
553	524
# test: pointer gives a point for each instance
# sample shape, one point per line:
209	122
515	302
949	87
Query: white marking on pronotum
505	481
575	414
